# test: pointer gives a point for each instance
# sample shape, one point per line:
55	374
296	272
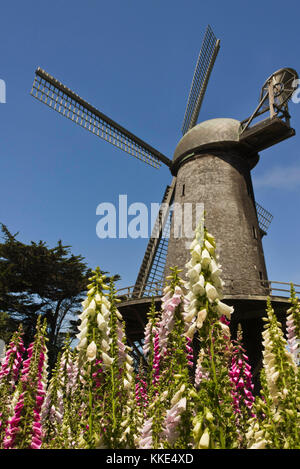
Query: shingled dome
210	133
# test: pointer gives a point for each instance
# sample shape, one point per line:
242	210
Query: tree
36	280
7	326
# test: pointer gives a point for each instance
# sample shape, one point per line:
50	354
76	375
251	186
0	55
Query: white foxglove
91	351
224	309
205	259
83	324
127	385
101	322
82	333
204	440
201	317
85	303
105	311
196	252
82	344
214	268
198	288
178	395
191	331
211	292
104	345
106	359
209	247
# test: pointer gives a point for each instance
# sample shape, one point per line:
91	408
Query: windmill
212	164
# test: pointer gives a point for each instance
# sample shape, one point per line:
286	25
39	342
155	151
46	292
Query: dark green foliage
36	279
7	326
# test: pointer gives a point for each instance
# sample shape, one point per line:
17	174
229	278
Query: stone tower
213	167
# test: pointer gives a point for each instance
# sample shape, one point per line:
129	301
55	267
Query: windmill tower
211	165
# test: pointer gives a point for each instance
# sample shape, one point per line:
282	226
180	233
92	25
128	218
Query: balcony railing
270	287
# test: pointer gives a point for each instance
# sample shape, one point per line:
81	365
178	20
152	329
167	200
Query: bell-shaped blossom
105	310
107	360
194	273
172	420
204	440
145	441
82	333
91	351
214	269
211	292
209	247
205	259
191	330
201	316
102	323
82	344
196	253
177	396
224	309
198	287
148	335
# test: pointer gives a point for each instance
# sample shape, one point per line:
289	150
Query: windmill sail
57	96
151	273
207	56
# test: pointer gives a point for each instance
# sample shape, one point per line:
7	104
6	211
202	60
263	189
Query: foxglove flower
204	440
203	283
31	397
91	351
200	372
211	292
224	309
10	368
145	441
172	420
292	339
166	323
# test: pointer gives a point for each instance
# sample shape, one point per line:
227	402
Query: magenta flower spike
156	361
189	351
18	431
13	359
241	381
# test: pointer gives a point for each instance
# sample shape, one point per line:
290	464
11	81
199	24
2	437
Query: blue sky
134	60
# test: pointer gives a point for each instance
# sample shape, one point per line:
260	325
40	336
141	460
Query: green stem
91	420
113	400
213	368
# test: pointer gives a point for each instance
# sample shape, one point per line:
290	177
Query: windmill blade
151	272
57	96
207	56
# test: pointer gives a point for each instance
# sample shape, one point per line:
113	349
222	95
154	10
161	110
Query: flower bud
204	441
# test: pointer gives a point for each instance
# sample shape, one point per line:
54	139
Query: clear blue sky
134	60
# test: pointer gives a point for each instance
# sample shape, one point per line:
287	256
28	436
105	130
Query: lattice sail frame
206	59
264	217
151	274
57	96
157	273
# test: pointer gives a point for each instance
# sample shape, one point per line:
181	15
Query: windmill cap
215	134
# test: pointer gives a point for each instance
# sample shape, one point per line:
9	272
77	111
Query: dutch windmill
212	164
